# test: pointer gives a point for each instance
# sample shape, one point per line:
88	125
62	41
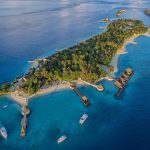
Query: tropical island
85	60
147	12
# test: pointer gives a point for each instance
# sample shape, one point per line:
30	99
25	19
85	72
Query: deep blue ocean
34	29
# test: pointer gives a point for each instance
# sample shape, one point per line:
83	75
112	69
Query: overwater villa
85	100
72	84
123	80
25	110
128	71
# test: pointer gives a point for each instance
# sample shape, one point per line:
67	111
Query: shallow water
31	29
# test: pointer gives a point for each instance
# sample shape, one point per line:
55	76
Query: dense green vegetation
84	60
147	12
5	88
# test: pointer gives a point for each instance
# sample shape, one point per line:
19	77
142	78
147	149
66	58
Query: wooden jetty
122	81
23	126
83	98
98	87
25	112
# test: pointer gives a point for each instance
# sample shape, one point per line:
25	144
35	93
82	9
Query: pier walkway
98	87
25	112
23	126
83	98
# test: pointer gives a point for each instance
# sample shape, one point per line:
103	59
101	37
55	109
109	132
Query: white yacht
83	118
3	132
5	106
61	139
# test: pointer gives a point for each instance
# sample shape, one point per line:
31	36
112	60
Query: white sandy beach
61	86
17	98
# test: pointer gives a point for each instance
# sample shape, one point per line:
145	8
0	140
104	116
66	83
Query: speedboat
5	106
83	118
3	132
61	139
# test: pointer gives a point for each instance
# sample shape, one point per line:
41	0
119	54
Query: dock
23	126
83	98
25	112
98	87
122	81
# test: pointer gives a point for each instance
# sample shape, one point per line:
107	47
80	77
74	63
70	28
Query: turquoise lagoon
40	28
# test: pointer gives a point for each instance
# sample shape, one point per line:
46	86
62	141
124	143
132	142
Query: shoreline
123	51
51	89
64	86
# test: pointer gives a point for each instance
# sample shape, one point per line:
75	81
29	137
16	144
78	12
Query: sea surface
34	29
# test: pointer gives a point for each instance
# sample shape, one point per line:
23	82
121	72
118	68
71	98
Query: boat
61	139
83	118
5	106
3	132
85	100
122	81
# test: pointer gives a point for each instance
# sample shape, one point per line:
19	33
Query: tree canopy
85	59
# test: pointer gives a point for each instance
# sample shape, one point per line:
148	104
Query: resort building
128	71
118	84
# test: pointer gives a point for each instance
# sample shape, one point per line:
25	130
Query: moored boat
5	106
3	132
83	118
85	100
62	139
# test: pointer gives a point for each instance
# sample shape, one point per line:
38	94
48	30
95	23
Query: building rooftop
72	84
25	110
128	71
118	84
84	98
